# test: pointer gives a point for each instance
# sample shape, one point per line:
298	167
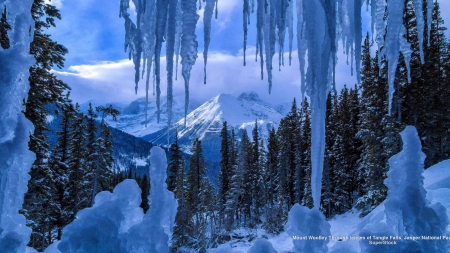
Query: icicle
358	38
380	27
136	43
188	45
373	11
199	4
319	43
259	34
290	26
161	20
207	16
178	37
352	55
170	51
331	14
246	17
302	45
269	40
281	8
217	9
418	10
393	42
430	6
148	26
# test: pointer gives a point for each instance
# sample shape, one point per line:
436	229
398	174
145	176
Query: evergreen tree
144	184
245	164
4	27
234	193
197	170
183	226
175	163
329	160
273	222
39	205
225	169
425	96
289	171
373	164
77	195
102	156
304	164
345	151
59	163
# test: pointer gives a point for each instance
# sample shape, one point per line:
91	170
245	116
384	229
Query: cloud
57	3
114	81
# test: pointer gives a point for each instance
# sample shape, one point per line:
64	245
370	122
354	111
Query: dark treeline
259	180
73	160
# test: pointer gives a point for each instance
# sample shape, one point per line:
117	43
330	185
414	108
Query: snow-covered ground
436	183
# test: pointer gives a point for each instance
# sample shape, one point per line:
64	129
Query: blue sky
97	68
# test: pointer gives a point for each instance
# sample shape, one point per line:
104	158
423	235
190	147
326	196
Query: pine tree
425	98
373	164
175	163
289	139
144	184
45	89
245	164
4	27
77	195
225	169
183	227
59	163
304	171
197	169
345	152
273	222
102	156
235	185
329	160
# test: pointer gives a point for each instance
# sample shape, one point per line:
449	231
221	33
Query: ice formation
174	22
153	233
15	158
103	227
262	246
343	246
406	211
308	228
116	223
223	248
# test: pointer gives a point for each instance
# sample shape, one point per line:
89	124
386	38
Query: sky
97	67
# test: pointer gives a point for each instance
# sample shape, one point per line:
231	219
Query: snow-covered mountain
206	121
132	116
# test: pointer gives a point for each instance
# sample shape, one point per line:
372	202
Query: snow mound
224	248
308	228
437	176
262	246
116	223
341	247
101	228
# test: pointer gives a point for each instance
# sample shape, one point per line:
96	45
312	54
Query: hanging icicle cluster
172	22
320	25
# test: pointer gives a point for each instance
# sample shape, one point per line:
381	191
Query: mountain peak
250	96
